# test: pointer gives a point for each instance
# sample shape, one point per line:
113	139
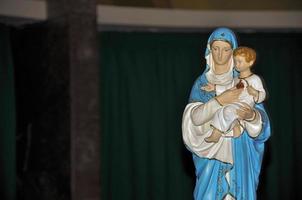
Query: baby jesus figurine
226	119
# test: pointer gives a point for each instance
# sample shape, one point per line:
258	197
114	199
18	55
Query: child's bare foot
214	137
236	130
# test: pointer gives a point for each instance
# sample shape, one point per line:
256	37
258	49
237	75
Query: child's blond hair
248	53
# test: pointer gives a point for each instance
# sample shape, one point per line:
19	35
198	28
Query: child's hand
252	91
209	87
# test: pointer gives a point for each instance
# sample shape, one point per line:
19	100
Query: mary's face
221	52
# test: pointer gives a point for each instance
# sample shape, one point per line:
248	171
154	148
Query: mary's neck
221	69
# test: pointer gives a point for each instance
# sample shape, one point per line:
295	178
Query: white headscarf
219	79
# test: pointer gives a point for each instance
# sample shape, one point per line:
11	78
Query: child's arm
256	89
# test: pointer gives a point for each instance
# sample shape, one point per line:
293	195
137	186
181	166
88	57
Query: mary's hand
245	112
229	96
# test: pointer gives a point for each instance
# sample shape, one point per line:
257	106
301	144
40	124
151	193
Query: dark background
145	80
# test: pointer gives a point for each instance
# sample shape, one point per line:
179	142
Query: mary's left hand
245	112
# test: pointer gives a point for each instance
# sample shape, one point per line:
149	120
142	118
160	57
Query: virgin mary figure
230	168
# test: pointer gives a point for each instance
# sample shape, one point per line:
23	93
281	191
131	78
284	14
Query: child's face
241	64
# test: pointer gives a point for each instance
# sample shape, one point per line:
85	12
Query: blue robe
248	152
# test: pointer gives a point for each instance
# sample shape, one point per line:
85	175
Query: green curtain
145	83
7	119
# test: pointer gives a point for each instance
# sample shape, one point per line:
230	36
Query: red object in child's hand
240	85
